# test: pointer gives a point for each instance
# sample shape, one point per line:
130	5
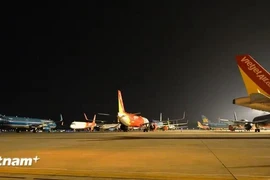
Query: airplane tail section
235	116
121	107
93	123
255	77
184	115
199	124
205	119
61	120
160	117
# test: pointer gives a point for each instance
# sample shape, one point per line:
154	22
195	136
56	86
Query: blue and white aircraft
31	124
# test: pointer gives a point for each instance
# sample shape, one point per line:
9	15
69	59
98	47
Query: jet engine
248	126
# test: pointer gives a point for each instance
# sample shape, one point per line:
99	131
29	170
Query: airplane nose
145	120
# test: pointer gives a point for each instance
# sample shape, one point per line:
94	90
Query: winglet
184	116
61	120
85	117
93	124
94	119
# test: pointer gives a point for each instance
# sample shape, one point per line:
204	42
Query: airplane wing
181	124
226	120
101	121
260	121
176	121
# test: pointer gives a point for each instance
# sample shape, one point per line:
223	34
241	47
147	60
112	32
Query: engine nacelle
248	126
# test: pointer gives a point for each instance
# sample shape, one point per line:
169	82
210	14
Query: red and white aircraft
200	126
84	125
257	83
129	119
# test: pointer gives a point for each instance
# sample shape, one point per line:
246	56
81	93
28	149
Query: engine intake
248	126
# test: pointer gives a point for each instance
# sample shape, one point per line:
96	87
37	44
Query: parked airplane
242	124
170	123
257	83
204	127
211	125
84	125
25	123
102	126
129	119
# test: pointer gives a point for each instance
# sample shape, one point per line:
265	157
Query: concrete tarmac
136	155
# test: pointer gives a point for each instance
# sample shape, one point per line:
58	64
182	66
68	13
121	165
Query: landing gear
124	128
257	128
152	127
146	128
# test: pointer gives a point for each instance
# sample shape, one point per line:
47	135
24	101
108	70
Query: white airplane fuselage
81	125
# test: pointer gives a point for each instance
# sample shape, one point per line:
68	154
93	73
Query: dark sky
165	57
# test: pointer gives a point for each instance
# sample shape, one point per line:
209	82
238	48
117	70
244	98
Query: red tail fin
254	75
121	107
93	123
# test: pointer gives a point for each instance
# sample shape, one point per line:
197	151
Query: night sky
168	57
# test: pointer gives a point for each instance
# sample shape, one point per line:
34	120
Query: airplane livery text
256	70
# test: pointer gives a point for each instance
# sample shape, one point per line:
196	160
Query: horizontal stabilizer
224	120
259	98
103	114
